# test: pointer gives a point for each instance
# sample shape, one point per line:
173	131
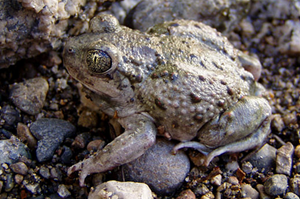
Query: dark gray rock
276	185
30	96
11	150
158	168
50	133
66	155
9	183
264	159
9	117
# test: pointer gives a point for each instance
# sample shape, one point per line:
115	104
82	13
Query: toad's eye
98	61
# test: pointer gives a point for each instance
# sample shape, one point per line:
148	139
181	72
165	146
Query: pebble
216	180
186	194
208	195
81	140
249	191
33	188
233	180
290	195
277	123
9	117
50	133
62	191
25	135
297	151
295	184
201	189
95	145
9	183
66	156
44	172
30	96
87	118
247	167
264	159
19	178
276	185
125	190
19	168
6	133
158	168
11	150
284	159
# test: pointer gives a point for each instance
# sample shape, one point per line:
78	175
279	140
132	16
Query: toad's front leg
139	135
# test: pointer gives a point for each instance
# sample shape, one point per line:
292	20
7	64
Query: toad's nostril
71	50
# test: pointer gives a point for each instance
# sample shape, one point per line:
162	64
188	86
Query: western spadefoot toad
181	76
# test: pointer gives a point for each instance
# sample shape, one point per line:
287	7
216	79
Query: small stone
277	123
290	195
25	135
9	183
11	150
247	167
186	194
19	168
297	167
44	172
33	188
19	178
125	190
50	132
159	168
54	174
232	166
249	191
297	151
9	117
264	159
30	96
216	180
95	145
284	159
208	195
276	185
201	189
295	184
233	180
87	118
81	140
63	191
66	155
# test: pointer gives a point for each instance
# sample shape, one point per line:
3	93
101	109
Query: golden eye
98	61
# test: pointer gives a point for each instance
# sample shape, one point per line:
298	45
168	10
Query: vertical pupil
98	61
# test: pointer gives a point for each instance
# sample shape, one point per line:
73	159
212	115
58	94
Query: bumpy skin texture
181	76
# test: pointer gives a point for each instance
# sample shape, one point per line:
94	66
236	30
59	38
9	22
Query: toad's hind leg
139	135
250	142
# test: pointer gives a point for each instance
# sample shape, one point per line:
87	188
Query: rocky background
44	128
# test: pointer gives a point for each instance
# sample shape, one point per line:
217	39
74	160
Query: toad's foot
139	135
194	145
252	141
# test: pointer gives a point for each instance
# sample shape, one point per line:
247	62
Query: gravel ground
39	159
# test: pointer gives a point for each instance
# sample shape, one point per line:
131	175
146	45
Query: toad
182	76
